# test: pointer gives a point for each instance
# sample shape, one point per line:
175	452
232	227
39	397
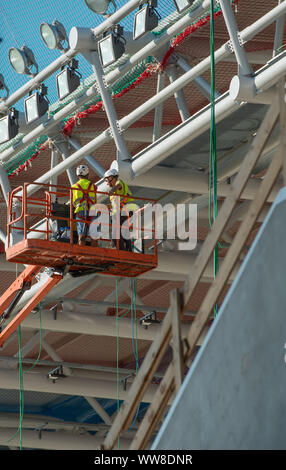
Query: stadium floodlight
112	46
100	6
182	5
68	79
22	60
146	19
3	86
54	35
36	105
9	126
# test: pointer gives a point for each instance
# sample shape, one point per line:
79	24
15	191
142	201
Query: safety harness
85	196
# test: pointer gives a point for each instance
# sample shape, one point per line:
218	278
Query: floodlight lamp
22	60
112	46
54	35
3	87
9	126
182	5
100	6
146	19
36	105
68	80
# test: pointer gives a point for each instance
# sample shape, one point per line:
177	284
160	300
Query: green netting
25	155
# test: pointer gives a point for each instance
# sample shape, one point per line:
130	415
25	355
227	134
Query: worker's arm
115	188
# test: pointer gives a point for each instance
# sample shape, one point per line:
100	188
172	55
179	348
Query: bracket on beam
149	319
56	373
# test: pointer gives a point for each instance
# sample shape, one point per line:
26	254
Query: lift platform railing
52	205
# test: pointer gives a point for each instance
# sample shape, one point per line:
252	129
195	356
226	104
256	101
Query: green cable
213	149
21	385
124	314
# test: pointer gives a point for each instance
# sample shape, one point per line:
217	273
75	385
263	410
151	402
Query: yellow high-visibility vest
84	195
124	193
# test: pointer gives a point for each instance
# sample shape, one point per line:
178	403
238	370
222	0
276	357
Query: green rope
21	385
213	150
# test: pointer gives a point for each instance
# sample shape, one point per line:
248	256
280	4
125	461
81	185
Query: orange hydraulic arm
22	283
10	298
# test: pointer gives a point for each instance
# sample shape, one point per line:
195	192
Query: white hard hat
111	172
82	170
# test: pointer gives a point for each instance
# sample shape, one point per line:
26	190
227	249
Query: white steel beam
99	170
99	410
123	153
158	115
177	179
200	82
241	58
66	285
38	382
95	325
179	95
36	422
60	440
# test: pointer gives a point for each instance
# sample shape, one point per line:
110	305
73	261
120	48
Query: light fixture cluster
23	62
36	105
110	47
182	5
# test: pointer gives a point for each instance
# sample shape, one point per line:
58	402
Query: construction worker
84	196
124	203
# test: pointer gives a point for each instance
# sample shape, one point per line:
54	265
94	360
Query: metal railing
56	216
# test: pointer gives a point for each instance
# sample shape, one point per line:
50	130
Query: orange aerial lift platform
47	225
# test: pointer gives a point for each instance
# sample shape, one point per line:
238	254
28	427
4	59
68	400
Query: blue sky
20	24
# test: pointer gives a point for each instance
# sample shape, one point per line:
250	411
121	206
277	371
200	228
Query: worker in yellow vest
120	200
84	196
